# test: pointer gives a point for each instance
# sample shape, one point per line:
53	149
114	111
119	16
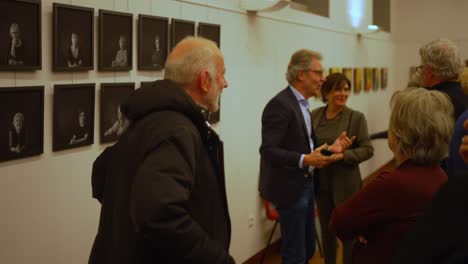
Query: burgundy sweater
386	209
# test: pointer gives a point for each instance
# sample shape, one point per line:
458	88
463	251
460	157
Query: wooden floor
274	257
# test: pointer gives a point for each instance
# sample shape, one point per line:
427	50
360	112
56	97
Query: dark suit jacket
284	140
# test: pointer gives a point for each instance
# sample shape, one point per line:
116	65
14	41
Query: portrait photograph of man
153	33
115	41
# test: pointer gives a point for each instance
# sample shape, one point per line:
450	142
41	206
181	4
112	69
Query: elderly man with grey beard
162	186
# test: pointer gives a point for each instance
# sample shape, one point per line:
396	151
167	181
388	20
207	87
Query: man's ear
300	75
205	80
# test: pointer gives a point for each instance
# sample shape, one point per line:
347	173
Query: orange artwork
384	78
368	78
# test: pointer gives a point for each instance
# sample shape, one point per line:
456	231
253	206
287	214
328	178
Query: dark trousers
326	202
298	228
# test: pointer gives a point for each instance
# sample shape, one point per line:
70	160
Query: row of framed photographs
366	78
22	114
73	38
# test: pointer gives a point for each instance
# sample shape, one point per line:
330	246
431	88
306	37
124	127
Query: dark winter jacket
457	97
162	186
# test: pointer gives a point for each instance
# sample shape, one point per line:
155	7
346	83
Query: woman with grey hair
384	211
16	46
439	70
17	135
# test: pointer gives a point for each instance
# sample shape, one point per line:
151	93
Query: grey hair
422	122
185	68
300	60
18	115
15	26
443	57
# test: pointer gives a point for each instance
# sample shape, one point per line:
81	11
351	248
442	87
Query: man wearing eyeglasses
289	156
439	70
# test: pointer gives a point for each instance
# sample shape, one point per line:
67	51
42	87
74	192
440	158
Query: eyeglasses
319	72
419	69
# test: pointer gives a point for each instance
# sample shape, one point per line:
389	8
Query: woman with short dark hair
339	180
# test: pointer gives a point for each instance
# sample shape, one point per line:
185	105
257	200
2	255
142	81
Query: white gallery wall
48	215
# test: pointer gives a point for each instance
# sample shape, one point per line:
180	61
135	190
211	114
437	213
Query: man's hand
464	144
342	143
318	160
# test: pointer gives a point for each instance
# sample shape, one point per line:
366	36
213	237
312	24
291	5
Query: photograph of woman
81	131
74	58
73	121
17	135
16	46
121	57
73	38
339	180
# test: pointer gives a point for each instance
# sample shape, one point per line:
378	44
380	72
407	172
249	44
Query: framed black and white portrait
73	38
181	29
20	31
22	122
153	37
73	123
113	123
210	31
115	41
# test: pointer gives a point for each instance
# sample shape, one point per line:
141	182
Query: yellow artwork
358	72
335	70
348	72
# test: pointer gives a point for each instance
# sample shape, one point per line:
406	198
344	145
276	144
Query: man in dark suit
288	156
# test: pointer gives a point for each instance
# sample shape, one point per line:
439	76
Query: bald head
197	65
189	58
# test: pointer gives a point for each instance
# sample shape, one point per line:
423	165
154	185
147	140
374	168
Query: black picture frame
153	39
113	123
23	18
72	24
115	28
180	29
22	122
210	31
72	102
